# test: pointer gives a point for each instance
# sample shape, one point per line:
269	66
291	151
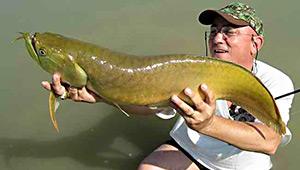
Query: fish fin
123	111
167	113
153	107
159	105
54	101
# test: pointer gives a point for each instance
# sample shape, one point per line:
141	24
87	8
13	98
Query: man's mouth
220	51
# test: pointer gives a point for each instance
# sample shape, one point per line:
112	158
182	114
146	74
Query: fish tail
280	127
283	127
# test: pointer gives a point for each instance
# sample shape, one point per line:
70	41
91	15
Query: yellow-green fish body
150	80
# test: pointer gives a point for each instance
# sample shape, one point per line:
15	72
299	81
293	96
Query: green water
99	136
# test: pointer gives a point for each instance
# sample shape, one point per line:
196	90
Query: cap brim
207	18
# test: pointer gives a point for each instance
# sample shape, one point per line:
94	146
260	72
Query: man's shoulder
273	78
265	70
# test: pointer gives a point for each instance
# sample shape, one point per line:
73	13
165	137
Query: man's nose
219	37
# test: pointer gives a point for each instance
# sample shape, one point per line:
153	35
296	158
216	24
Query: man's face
237	48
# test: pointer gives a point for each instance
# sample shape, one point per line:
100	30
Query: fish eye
42	51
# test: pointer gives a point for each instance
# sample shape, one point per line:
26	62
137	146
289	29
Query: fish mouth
30	40
33	42
30	43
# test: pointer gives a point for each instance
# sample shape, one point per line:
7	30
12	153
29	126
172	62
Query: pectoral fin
123	111
54	101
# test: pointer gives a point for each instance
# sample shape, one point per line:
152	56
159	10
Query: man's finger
73	93
185	109
56	80
57	87
46	85
196	99
210	97
86	96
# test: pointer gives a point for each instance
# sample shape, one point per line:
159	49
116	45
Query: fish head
49	51
43	52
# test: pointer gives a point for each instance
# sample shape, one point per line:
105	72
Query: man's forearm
247	136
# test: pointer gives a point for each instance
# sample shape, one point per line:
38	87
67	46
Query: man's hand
202	115
75	94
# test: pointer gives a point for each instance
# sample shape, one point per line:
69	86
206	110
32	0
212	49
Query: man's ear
257	43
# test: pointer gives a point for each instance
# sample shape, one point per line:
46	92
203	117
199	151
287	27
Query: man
212	135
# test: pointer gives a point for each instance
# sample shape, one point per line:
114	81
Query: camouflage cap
236	13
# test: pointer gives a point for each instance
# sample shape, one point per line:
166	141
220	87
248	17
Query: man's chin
222	56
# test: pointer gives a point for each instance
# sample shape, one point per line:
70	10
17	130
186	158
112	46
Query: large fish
148	80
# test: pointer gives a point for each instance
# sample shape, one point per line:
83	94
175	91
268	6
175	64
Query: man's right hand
75	94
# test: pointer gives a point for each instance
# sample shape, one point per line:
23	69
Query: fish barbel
148	80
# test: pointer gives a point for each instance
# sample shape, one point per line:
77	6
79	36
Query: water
99	136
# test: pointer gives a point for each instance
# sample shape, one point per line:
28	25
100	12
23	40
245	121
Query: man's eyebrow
225	25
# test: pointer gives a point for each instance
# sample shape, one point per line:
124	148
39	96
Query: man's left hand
201	115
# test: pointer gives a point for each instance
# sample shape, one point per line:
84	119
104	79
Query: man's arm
246	136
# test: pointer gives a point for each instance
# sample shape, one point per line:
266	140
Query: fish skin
151	80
